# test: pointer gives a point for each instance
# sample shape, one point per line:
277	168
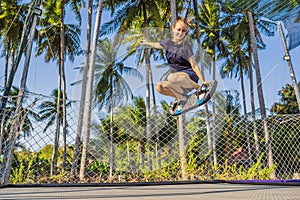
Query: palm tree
110	87
262	26
135	114
260	92
126	17
235	65
17	123
83	89
200	55
180	118
211	24
131	115
48	111
55	39
15	39
90	87
10	31
275	8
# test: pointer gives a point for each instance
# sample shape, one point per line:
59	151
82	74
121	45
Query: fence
198	146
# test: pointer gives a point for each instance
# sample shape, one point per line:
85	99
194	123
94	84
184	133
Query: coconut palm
111	89
48	111
131	115
211	24
83	89
89	95
127	16
235	65
10	30
14	32
201	57
260	92
17	120
55	40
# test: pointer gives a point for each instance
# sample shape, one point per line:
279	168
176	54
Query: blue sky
42	77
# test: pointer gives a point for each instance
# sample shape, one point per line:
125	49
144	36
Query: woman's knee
159	86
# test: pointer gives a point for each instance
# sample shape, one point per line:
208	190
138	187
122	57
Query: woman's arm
155	45
196	69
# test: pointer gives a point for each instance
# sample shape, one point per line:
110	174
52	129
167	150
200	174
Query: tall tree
83	90
58	40
128	14
180	118
10	31
260	93
110	86
48	111
17	122
15	33
201	58
90	85
211	25
236	65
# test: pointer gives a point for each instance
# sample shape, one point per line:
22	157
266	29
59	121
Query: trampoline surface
203	191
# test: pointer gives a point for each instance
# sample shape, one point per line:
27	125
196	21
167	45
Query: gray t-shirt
178	57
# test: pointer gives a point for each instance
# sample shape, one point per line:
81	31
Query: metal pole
287	57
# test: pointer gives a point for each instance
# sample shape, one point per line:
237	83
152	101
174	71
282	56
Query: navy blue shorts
192	75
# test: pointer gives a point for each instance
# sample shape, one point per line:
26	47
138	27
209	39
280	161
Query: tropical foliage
230	32
287	103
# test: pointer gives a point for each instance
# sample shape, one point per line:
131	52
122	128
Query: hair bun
186	20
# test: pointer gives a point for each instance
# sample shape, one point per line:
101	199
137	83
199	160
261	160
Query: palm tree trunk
180	118
158	156
256	140
111	134
148	112
209	141
57	129
88	105
260	94
245	115
83	90
180	125
141	154
4	86
128	152
8	83
6	67
2	132
173	12
213	100
64	96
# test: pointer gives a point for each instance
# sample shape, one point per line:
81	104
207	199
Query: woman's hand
144	42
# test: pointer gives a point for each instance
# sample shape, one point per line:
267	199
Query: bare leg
176	84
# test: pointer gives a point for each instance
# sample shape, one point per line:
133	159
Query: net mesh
201	145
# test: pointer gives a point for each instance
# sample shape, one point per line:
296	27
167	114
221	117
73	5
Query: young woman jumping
185	73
